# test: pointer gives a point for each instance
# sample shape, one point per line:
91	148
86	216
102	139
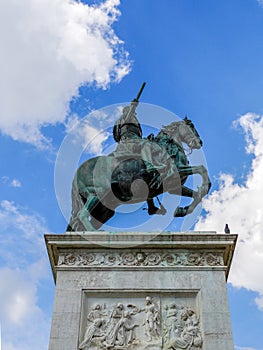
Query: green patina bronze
138	170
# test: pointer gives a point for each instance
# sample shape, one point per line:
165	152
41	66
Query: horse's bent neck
169	142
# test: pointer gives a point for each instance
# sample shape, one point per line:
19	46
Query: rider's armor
126	131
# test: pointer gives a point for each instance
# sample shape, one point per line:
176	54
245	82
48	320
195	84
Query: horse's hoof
152	210
180	212
203	190
161	211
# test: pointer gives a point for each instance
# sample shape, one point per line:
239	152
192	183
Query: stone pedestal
141	291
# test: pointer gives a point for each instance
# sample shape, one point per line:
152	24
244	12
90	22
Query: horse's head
184	131
189	134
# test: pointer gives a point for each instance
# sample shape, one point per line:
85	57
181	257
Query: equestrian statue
140	169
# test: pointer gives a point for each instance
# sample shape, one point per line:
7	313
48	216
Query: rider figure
127	126
127	132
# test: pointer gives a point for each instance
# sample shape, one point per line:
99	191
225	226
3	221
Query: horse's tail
77	205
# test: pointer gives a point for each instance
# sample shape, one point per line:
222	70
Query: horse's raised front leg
196	195
185	192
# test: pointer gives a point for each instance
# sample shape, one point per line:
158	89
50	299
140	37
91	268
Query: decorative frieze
138	258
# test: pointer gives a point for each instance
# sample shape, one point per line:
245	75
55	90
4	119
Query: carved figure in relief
128	329
181	329
96	313
95	331
121	328
152	319
115	330
172	326
107	330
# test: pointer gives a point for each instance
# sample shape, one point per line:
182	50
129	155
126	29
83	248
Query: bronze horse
138	170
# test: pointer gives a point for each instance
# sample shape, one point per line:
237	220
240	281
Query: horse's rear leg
83	216
91	216
94	213
100	214
186	192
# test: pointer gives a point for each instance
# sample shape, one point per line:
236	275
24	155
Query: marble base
141	291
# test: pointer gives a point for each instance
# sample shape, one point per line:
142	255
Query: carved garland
141	259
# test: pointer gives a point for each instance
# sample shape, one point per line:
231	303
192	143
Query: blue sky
60	61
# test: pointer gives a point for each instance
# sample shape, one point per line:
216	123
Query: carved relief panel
140	321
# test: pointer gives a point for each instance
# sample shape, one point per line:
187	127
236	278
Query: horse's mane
170	128
166	129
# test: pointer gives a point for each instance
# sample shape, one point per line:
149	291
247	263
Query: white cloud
94	139
11	182
24	268
48	49
240	205
90	135
15	183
